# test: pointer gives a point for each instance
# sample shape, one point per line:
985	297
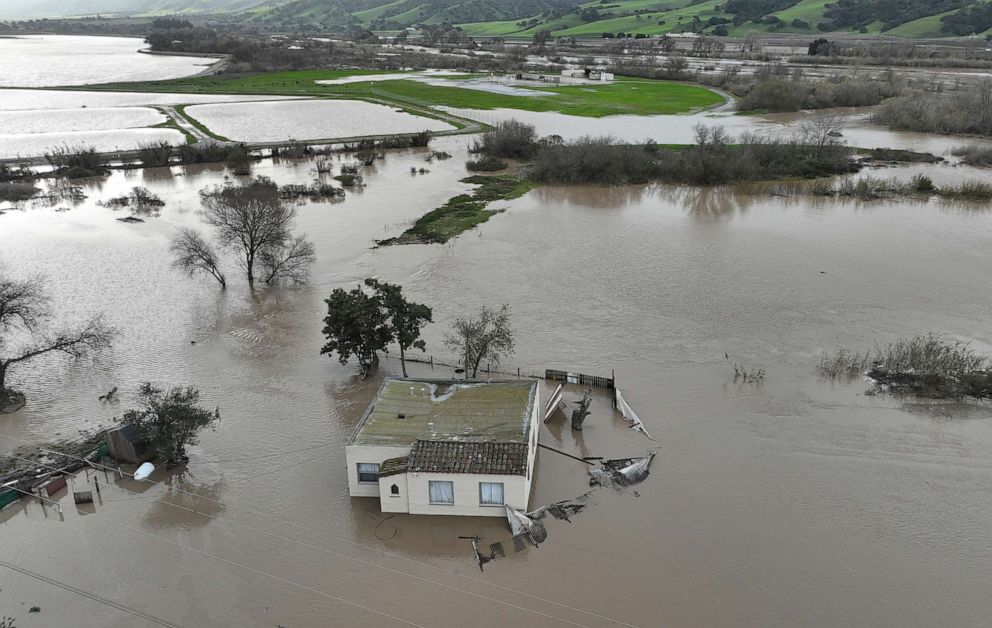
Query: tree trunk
403	360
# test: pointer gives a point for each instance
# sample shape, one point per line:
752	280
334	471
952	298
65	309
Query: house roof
407	410
393	466
490	458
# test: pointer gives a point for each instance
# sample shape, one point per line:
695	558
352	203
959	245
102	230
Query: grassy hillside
580	18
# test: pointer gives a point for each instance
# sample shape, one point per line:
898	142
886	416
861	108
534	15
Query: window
490	493
442	491
394	490
368	473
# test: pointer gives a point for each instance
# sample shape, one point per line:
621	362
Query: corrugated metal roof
406	410
490	458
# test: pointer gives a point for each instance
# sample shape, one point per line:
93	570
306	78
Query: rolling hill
580	18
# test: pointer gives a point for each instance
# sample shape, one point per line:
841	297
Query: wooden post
432	362
614	378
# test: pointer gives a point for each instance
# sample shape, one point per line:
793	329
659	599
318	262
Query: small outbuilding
446	447
126	445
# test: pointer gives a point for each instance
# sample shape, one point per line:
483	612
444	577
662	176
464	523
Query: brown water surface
796	502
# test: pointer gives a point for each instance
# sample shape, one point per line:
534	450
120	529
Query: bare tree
24	311
288	262
250	218
486	336
194	254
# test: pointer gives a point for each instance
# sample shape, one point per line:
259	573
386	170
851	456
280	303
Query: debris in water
622	471
629	415
579	414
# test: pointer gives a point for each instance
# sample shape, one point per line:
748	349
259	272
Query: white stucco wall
466	487
394	503
366	453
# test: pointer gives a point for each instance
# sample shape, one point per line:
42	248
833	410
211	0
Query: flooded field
14	145
33	99
793	502
53	60
679	129
309	119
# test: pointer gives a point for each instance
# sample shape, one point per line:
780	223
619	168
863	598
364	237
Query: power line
87	594
364	546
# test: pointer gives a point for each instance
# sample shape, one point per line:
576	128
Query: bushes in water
926	365
594	160
776	94
872	188
15	191
139	198
961	112
485	163
156	154
974	155
77	161
713	159
13	173
971	190
510	139
315	190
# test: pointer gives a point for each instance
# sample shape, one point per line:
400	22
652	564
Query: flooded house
446	447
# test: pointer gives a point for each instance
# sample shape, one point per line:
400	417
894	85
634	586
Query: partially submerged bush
716	158
313	191
350	180
971	190
960	112
974	155
140	199
15	191
77	162
156	154
485	164
925	365
510	139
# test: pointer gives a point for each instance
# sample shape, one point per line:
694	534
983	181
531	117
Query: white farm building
443	447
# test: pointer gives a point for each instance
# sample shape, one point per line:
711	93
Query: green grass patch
625	96
463	212
181	110
171	124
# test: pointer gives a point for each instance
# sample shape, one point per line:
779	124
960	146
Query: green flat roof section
447	410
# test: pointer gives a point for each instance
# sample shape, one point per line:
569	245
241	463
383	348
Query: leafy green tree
357	325
406	318
169	420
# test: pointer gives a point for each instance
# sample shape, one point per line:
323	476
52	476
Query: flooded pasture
54	60
309	119
855	125
791	502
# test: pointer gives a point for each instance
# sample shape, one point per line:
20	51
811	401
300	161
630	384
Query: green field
624	96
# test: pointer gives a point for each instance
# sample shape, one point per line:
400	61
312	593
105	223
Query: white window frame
430	496
358	469
502	493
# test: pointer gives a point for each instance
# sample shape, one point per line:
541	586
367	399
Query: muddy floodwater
794	502
309	119
53	60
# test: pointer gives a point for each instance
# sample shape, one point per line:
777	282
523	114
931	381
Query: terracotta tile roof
393	466
490	458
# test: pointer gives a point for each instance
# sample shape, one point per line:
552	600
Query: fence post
432	362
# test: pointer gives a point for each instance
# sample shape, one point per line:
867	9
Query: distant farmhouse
443	447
